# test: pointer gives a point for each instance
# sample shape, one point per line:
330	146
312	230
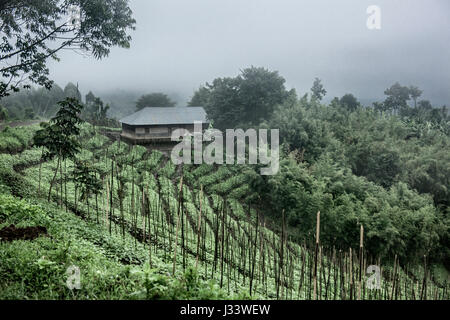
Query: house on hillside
154	126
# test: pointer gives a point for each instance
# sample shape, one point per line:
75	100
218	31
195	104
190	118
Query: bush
15	182
16	139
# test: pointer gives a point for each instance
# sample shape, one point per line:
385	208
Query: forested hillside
385	166
130	219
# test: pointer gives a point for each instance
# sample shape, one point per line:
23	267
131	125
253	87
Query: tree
89	99
245	100
349	102
223	104
86	180
152	100
300	129
71	91
200	97
377	161
318	91
59	137
95	111
397	97
415	93
379	106
429	172
425	105
260	91
34	31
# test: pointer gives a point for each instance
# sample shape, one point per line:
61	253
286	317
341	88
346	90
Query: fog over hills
180	45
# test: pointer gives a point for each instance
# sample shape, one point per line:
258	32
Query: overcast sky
180	44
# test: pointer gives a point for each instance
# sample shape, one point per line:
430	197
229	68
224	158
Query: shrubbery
16	139
15	183
37	269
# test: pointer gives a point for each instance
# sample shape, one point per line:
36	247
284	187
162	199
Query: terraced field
172	219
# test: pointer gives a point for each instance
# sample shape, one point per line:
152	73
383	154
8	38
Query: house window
140	130
160	131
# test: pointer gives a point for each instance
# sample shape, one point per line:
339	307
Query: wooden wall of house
152	133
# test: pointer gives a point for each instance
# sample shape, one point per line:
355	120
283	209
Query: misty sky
180	44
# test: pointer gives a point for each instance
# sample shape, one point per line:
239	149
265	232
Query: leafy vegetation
123	239
31	35
13	140
140	227
37	269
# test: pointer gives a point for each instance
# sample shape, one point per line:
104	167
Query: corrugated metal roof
164	116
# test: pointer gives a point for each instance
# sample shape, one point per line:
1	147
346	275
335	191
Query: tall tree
397	97
349	102
415	93
152	100
86	180
200	98
59	138
318	91
34	31
71	91
89	98
245	100
95	111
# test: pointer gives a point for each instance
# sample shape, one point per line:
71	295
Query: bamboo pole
61	183
423	294
316	253
178	225
361	246
254	253
222	242
351	273
320	266
111	196
281	260
394	277
143	217
199	224
183	249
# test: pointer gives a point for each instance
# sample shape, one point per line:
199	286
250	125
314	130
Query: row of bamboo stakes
252	259
283	256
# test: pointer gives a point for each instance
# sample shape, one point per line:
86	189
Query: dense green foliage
14	140
386	167
96	112
36	31
112	250
37	269
389	173
243	100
